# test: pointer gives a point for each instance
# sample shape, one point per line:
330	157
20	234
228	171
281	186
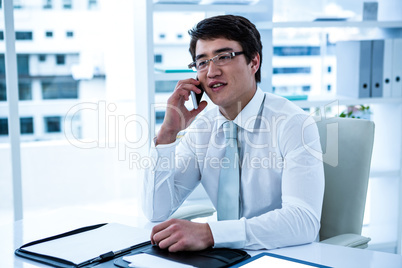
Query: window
59	89
60	59
67	4
17	4
92	4
49	34
23	64
165	86
69	34
52	124
42	57
47	4
3	126
296	51
26	125
158	58
159	116
3	92
291	70
24	90
23	35
1	35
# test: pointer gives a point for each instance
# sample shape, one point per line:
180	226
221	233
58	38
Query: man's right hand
177	116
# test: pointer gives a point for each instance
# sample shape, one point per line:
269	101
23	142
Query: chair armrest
192	211
348	240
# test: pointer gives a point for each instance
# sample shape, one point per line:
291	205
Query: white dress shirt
281	183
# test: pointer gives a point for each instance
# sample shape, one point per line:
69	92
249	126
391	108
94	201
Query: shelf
232	8
330	24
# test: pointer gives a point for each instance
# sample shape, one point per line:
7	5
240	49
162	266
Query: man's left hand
179	235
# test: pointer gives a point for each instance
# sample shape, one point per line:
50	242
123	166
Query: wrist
166	136
209	238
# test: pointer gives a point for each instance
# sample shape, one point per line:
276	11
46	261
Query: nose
213	69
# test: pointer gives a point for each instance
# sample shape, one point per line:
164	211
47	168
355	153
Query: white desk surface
14	235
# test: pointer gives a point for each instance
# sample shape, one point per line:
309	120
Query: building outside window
57	89
47	4
25	90
60	59
23	35
67	4
3	126
42	57
26	125
52	124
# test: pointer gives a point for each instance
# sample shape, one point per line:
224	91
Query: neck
232	111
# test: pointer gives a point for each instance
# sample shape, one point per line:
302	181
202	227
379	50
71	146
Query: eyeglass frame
232	54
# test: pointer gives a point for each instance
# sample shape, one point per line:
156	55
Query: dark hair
231	27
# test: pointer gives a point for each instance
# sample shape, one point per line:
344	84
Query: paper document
144	260
88	245
268	261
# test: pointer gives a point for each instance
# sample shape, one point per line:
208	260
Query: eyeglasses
219	60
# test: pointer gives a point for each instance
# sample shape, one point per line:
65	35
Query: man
280	184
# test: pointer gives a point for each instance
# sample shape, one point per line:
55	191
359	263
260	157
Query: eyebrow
218	51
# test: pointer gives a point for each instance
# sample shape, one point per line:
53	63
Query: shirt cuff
229	234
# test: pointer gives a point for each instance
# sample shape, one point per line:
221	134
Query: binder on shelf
377	68
354	68
397	68
387	69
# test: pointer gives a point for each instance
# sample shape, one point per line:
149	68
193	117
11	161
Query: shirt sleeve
298	220
173	176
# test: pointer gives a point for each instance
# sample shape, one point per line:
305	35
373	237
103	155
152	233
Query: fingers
178	235
184	87
200	108
158	228
166	234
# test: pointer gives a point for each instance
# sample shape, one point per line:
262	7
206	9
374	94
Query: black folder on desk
91	245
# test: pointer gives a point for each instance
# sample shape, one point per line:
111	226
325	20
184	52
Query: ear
255	62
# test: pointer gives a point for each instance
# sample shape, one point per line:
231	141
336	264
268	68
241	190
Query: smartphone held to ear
197	97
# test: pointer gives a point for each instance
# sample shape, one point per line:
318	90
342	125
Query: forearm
279	228
168	182
157	198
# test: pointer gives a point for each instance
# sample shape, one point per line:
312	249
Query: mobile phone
197	97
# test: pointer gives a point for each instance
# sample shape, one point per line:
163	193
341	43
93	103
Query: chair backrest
347	148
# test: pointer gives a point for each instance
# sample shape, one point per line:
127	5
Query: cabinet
386	175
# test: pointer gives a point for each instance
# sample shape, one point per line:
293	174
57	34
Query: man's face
229	85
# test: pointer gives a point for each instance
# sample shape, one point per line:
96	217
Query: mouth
216	86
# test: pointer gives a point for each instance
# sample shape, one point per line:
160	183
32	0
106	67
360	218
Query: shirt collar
248	114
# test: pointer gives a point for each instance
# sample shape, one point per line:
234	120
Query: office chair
347	148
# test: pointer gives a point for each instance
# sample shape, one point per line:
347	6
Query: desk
14	235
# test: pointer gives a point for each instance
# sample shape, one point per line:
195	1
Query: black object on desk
208	258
